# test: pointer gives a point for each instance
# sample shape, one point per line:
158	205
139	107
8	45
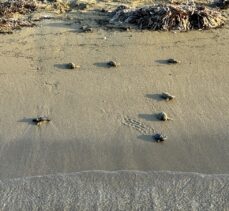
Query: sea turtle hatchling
173	61
159	137
113	64
71	65
167	96
163	116
41	120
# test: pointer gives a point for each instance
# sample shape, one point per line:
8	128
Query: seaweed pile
7	25
183	17
8	11
59	6
14	13
8	8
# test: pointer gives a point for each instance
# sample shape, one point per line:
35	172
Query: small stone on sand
86	29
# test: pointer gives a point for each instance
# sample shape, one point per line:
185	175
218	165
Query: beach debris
103	10
41	120
124	28
38	17
182	17
10	7
15	14
173	61
159	137
163	116
167	96
120	7
112	64
86	29
77	4
7	26
57	6
222	4
119	27
82	6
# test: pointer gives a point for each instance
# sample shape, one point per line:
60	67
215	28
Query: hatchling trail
137	125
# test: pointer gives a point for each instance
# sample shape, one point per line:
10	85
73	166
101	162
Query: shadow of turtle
149	117
28	121
162	61
156	97
101	64
62	66
147	138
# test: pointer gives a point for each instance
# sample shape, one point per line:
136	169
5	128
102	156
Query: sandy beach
104	118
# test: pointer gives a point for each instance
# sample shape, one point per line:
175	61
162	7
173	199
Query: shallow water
120	190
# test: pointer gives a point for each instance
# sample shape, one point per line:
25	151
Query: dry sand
104	118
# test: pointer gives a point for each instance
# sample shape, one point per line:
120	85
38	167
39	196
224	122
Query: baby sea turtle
173	61
41	120
71	65
159	137
163	116
112	64
167	96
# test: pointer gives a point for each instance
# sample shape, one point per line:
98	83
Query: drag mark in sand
137	125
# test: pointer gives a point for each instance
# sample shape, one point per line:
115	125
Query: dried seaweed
222	4
14	13
8	8
7	26
182	17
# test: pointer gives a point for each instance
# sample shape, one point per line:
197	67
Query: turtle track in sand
137	125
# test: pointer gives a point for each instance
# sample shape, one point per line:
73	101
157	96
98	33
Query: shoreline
116	190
